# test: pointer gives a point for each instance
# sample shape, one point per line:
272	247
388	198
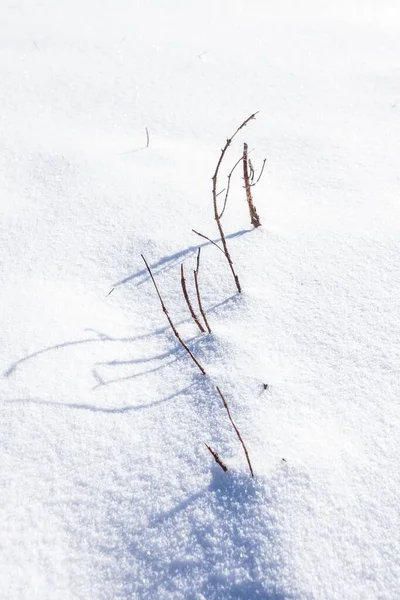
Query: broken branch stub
254	218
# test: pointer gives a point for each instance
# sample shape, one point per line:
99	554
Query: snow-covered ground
107	489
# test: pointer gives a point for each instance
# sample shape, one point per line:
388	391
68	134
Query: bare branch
189	304
174	329
196	281
208	239
214	194
237	431
261	174
198	260
228	186
217	458
254	218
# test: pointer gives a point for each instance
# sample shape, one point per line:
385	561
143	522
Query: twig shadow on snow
100	339
176	352
99	409
168	262
142	274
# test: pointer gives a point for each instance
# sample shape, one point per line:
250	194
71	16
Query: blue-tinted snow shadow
221	542
202	345
100	338
181	394
176	351
168	262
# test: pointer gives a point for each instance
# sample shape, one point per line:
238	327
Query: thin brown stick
198	260
189	304
209	240
237	431
196	282
228	186
174	329
215	202
254	218
261	174
217	458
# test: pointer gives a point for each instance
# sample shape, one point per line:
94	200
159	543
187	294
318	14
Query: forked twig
228	186
215	201
261	174
237	431
254	218
209	240
189	304
217	458
196	282
174	329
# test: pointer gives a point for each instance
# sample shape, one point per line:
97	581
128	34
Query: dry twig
261	173
254	218
189	304
208	239
228	186
237	431
174	329
141	147
196	281
217	458
215	204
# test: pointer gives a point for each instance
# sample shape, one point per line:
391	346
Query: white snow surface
107	489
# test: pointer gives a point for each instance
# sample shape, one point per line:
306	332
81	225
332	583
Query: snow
108	490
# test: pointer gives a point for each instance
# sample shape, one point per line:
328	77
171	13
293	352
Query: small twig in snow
261	174
142	147
237	431
217	458
196	282
229	185
174	329
208	239
188	302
